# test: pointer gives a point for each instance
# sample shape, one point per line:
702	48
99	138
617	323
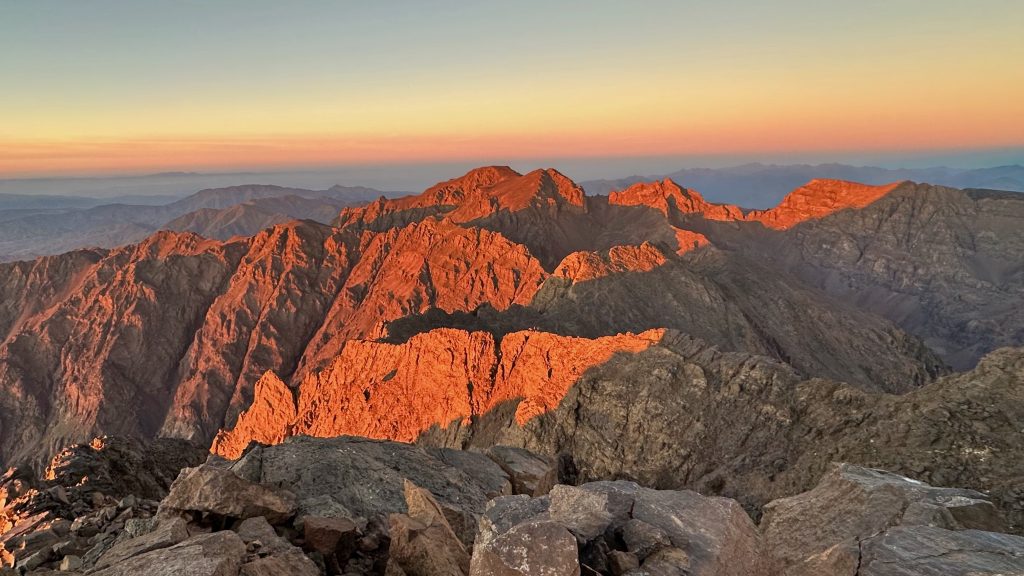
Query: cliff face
398	391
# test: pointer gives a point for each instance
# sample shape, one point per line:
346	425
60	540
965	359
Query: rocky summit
507	375
354	506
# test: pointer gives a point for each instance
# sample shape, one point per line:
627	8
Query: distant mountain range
764	185
33	226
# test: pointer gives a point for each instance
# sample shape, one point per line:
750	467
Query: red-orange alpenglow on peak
398	391
819	198
669	197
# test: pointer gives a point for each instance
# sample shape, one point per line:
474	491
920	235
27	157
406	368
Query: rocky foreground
351	506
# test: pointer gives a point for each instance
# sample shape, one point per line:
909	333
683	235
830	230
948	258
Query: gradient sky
106	86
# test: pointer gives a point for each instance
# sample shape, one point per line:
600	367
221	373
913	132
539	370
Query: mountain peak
819	198
667	196
458	190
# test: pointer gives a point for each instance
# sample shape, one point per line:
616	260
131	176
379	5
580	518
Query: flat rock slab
165	534
216	554
852	503
930	551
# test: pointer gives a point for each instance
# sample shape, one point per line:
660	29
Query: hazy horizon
414	177
115	87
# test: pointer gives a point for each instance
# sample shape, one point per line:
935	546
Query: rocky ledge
351	506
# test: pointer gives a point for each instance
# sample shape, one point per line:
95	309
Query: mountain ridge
515	252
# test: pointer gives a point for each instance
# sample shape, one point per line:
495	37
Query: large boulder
530	474
209	490
852	503
614	525
532	548
366	477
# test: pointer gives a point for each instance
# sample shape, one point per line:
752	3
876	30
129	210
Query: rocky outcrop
86	498
583	266
613	527
399	391
353	506
120	466
685	415
672	199
817	199
306	507
852	506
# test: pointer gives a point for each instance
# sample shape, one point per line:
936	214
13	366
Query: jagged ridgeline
647	335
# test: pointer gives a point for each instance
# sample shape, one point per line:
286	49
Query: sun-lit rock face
438	199
478	194
583	266
819	198
670	198
425	265
398	391
543	210
688	240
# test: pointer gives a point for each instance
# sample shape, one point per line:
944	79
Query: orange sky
116	87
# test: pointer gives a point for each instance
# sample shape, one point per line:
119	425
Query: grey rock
211	490
35	560
257	529
930	551
534	548
324	506
165	534
584	512
507	511
529	473
672	562
486	472
674	531
215	554
290	563
852	503
642	538
716	534
367	476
